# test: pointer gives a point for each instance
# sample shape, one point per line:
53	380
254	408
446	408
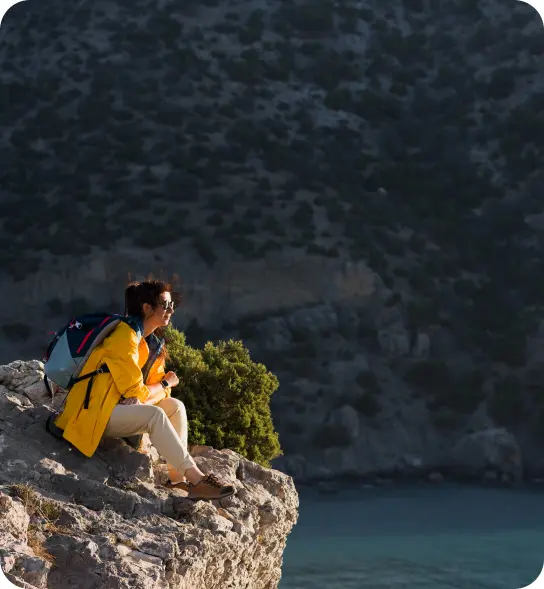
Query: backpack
71	347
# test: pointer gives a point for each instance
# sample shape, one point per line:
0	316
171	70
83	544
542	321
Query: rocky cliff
213	297
107	522
352	187
366	397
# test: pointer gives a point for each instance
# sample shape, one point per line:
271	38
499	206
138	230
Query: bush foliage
227	397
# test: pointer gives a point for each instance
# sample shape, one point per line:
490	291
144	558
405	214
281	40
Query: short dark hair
148	291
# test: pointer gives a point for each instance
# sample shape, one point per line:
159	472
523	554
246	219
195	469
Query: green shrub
367	404
419	314
303	216
538	423
394	246
331	436
241	244
465	288
444	390
428	374
310	18
420	281
388	280
368	380
534	384
316	250
377	261
270	245
301	367
205	250
293	427
303	349
399	89
215	220
339	99
255	28
502	84
222	204
509	347
226	28
400	272
462	395
394	299
243	227
506	404
417	243
227	397
445	419
272	224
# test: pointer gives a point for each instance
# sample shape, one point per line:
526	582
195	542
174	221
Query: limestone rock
348	321
422	346
124	462
26	378
110	524
16	557
394	341
442	343
346	419
311	321
32	570
394	443
491	449
15	521
479	421
294	465
273	334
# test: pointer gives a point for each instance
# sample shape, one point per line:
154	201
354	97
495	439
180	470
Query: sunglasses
167	305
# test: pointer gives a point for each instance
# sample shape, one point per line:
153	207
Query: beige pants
166	424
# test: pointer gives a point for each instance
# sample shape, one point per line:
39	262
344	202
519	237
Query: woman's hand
172	379
130	401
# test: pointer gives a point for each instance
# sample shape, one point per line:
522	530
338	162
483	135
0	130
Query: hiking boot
183	485
210	487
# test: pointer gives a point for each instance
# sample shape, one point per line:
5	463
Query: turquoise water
440	537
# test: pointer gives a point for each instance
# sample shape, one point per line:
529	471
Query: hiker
121	404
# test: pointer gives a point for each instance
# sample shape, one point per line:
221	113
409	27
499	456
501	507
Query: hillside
216	136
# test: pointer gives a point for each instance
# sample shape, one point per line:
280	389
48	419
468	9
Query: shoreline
423	481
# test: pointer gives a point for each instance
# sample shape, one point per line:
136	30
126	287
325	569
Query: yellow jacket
125	356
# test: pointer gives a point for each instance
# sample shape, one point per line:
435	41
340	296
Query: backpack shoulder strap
155	347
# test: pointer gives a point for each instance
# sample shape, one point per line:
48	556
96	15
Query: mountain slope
404	136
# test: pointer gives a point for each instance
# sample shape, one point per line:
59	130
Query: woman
134	397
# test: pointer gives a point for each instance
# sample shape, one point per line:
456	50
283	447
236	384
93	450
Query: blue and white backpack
70	349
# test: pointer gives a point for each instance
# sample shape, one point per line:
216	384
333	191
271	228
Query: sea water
439	537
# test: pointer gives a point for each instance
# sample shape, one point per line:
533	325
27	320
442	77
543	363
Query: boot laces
212	480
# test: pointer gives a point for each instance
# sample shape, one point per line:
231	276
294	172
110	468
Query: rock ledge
107	523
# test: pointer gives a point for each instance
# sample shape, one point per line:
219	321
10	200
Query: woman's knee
179	404
156	413
172	404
